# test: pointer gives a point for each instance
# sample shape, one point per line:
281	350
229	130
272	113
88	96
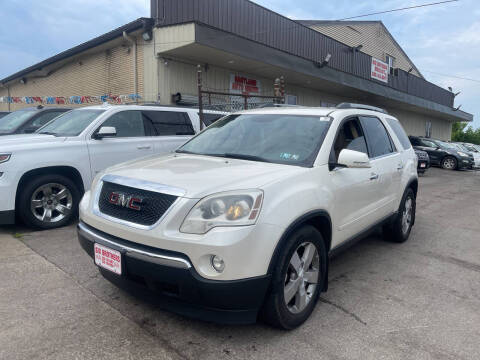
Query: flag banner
65	100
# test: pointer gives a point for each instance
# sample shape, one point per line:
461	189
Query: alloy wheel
449	163
302	277
407	215
51	202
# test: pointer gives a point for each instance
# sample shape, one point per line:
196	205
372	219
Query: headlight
461	153
4	157
235	208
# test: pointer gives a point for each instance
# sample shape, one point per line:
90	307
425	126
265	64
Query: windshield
14	120
459	147
470	147
283	139
71	123
446	145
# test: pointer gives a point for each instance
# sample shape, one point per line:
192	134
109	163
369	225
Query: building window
390	60
291	99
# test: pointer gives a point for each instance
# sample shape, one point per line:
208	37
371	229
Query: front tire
48	202
298	278
449	163
399	230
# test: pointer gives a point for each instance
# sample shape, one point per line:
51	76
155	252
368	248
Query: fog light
218	263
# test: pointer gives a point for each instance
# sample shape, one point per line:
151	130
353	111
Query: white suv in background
244	217
43	175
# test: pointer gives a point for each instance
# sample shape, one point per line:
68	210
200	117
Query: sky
442	39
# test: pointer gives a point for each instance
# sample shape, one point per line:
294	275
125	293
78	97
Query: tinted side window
127	123
400	133
428	144
350	136
377	137
170	122
45	118
209	119
415	141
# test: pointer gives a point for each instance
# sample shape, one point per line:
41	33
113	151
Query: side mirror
353	159
106	132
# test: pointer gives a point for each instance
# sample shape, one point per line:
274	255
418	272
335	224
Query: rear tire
449	163
297	280
48	202
399	230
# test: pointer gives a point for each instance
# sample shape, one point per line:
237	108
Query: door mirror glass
106	131
353	159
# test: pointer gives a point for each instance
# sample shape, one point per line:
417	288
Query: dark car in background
28	120
423	161
442	153
3	113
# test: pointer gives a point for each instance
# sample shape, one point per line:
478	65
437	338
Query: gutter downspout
134	44
8	94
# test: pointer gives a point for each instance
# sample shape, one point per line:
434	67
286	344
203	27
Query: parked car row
450	156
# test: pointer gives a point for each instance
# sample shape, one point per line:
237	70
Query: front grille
151	208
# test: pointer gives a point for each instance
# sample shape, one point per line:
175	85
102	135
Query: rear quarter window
400	133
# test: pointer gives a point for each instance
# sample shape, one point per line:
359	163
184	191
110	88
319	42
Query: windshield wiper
227	155
243	157
47	133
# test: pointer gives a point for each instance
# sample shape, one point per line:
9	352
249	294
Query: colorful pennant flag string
62	100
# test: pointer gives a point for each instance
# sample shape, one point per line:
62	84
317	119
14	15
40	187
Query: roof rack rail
276	105
345	105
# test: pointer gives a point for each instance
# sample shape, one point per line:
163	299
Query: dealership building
238	43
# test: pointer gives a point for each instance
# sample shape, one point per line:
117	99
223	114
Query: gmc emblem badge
126	201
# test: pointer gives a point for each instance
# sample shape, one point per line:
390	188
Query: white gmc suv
243	218
43	175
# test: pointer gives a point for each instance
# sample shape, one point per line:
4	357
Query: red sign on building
244	85
379	70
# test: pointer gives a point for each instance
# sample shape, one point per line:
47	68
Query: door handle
373	176
400	166
145	147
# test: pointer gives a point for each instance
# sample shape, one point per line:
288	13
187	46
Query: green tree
461	133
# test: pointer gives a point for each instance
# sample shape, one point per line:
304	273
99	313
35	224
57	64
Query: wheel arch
67	171
413	184
320	219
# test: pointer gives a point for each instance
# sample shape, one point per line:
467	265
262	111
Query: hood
27	140
203	175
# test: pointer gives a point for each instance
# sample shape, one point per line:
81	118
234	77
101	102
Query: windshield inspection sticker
288	156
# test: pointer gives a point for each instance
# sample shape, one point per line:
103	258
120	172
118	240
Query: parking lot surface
418	300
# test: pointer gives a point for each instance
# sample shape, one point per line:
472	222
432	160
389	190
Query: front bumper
8	190
172	276
423	165
465	163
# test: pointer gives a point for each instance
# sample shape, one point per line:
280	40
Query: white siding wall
108	71
414	124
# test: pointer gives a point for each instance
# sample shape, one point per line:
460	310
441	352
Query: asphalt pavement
418	300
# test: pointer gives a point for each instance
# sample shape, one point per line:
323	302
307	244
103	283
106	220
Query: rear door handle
144	147
373	176
400	166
